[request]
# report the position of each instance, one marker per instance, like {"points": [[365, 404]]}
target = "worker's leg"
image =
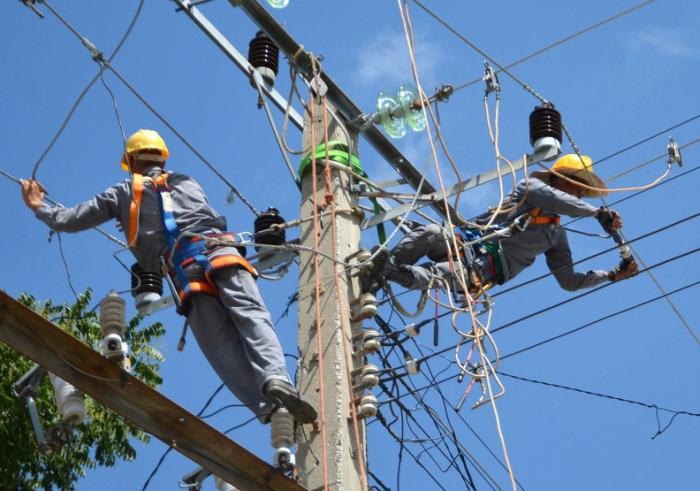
{"points": [[419, 277], [219, 340], [240, 296], [262, 351], [426, 240]]}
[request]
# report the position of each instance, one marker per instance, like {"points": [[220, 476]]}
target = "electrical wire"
{"points": [[167, 451], [555, 43], [56, 203], [65, 265], [437, 421], [439, 424], [600, 395], [87, 88], [557, 305], [105, 64], [600, 319]]}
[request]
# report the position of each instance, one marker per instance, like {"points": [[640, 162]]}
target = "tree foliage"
{"points": [[102, 440]]}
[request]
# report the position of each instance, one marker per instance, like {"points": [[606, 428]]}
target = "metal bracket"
{"points": [[491, 79], [26, 389], [468, 183], [674, 152], [32, 7]]}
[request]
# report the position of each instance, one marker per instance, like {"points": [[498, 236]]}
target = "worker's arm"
{"points": [[560, 264], [552, 200], [88, 214]]}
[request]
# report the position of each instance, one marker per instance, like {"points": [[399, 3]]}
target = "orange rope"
{"points": [[317, 292], [345, 333]]}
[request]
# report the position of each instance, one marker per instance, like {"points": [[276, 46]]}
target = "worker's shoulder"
{"points": [[174, 176], [530, 184]]}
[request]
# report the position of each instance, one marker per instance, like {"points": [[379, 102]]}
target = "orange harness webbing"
{"points": [[134, 208], [536, 218]]}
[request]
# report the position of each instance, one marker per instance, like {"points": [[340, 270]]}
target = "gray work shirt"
{"points": [[190, 207], [521, 248]]}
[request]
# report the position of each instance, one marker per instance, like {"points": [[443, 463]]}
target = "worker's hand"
{"points": [[32, 193], [609, 219], [622, 271]]}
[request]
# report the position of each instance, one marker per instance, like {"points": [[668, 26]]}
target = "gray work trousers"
{"points": [[426, 240], [236, 335]]}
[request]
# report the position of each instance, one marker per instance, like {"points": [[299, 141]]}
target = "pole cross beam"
{"points": [[347, 109], [68, 358]]}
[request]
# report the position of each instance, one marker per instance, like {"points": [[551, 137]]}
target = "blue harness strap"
{"points": [[191, 249], [186, 250]]}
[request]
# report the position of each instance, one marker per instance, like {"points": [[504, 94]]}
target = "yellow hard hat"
{"points": [[144, 140], [570, 165]]}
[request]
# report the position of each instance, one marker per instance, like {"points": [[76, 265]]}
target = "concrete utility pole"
{"points": [[344, 461]]}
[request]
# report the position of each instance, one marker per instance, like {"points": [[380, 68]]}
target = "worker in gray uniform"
{"points": [[168, 220], [538, 204]]}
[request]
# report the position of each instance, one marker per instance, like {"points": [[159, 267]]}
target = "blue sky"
{"points": [[614, 86]]}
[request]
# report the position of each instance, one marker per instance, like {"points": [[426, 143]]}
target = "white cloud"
{"points": [[666, 42], [385, 61]]}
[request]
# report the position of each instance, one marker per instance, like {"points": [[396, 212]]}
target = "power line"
{"points": [[601, 319], [555, 43], [589, 292], [554, 338], [424, 322], [556, 305], [105, 64], [162, 457], [56, 203], [415, 392], [89, 85], [587, 258], [598, 394], [611, 397], [434, 417]]}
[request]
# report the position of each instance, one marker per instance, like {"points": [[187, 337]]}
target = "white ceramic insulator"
{"points": [[281, 429], [69, 400], [369, 311], [371, 343], [363, 256], [368, 406], [412, 331], [222, 485], [112, 312], [370, 376], [368, 299], [412, 366]]}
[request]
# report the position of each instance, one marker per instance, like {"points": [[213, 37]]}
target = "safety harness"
{"points": [[183, 249], [483, 259], [537, 218]]}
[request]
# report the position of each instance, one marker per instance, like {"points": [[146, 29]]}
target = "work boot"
{"points": [[289, 397]]}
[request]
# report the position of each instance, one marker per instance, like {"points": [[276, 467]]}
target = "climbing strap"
{"points": [[340, 153], [536, 218]]}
